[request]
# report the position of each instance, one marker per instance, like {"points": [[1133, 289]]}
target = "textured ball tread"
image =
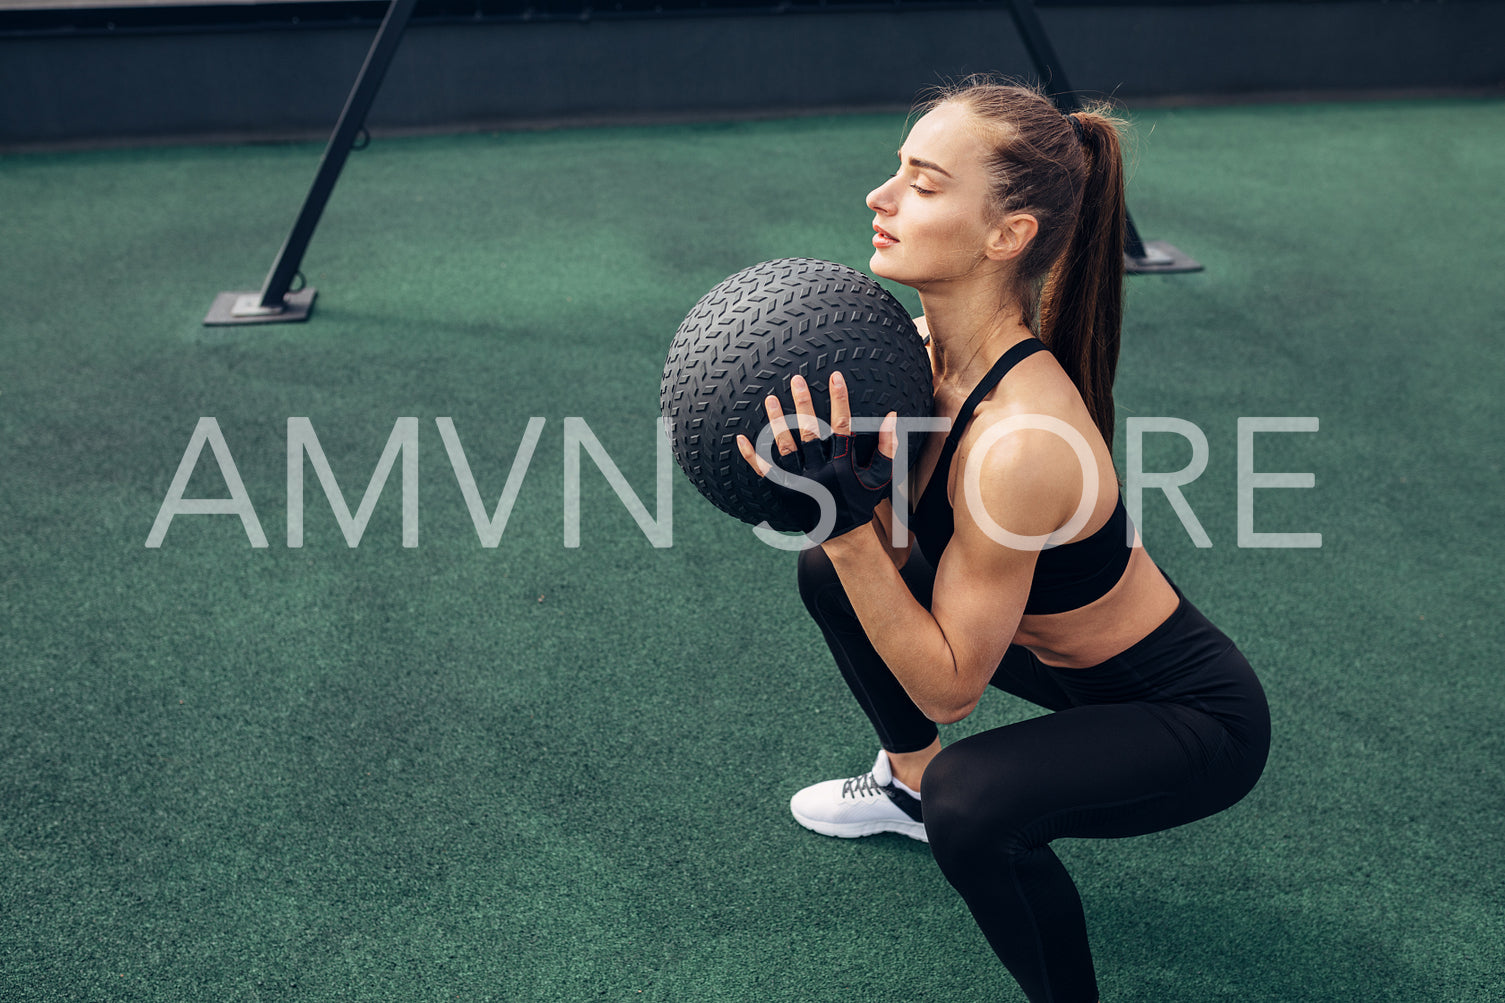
{"points": [[750, 335]]}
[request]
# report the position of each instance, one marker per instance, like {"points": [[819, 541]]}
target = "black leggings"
{"points": [[1174, 729]]}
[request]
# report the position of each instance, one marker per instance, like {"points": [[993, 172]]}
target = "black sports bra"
{"points": [[1067, 577]]}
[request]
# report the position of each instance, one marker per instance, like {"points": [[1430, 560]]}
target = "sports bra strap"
{"points": [[1006, 362]]}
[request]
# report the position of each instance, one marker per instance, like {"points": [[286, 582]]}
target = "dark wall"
{"points": [[92, 83]]}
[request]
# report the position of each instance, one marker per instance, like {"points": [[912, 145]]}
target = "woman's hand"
{"points": [[818, 474]]}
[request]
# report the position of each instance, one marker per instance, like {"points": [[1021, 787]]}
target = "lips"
{"points": [[882, 238]]}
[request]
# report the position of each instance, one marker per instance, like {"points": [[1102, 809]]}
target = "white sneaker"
{"points": [[860, 806]]}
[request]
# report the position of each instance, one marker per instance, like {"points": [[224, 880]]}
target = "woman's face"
{"points": [[932, 221]]}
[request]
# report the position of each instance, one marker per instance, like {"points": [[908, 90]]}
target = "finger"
{"points": [[841, 406], [804, 409], [751, 456], [782, 437], [888, 435]]}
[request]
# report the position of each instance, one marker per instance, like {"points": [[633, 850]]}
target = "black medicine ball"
{"points": [[750, 335]]}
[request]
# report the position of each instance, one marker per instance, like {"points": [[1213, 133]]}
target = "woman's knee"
{"points": [[821, 590], [964, 821], [815, 572]]}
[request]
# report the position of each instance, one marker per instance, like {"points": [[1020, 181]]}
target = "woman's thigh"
{"points": [[1098, 770]]}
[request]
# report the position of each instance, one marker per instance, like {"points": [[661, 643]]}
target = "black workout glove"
{"points": [[831, 464]]}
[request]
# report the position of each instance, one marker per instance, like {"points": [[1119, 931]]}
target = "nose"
{"points": [[880, 199]]}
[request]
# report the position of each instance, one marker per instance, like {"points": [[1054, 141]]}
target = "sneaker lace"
{"points": [[860, 787]]}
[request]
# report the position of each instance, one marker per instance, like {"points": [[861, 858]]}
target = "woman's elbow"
{"points": [[950, 713]]}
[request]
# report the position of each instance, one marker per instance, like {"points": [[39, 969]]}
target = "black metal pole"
{"points": [[274, 303], [1137, 257]]}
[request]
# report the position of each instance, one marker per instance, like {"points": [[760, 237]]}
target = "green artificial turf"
{"points": [[536, 772]]}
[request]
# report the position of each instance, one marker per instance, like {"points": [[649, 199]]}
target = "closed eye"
{"points": [[920, 189]]}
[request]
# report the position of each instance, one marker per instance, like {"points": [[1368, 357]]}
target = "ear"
{"points": [[1011, 236]]}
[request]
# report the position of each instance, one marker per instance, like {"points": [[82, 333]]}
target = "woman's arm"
{"points": [[945, 656]]}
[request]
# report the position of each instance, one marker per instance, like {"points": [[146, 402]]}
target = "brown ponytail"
{"points": [[1069, 280], [1082, 305]]}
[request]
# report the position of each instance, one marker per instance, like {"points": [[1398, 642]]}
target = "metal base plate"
{"points": [[1160, 257], [246, 308]]}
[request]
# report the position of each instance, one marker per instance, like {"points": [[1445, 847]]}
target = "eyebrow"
{"points": [[925, 165]]}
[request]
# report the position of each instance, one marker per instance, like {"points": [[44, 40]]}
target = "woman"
{"points": [[1008, 219]]}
